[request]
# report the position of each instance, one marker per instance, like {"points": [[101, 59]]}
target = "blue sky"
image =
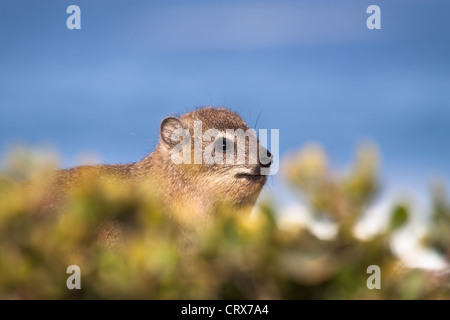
{"points": [[311, 68]]}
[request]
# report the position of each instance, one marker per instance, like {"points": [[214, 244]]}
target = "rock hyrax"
{"points": [[192, 189]]}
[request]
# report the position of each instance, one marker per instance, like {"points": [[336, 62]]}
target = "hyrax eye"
{"points": [[224, 145]]}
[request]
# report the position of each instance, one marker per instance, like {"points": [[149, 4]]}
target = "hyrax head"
{"points": [[215, 149]]}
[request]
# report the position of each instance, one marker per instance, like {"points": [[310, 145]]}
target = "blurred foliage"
{"points": [[234, 257]]}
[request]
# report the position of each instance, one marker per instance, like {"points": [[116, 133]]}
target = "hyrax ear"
{"points": [[168, 126]]}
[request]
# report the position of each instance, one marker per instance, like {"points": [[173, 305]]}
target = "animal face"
{"points": [[216, 148]]}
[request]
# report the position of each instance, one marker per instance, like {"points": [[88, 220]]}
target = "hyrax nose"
{"points": [[267, 159]]}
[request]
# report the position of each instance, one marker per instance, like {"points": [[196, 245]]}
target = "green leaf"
{"points": [[399, 217]]}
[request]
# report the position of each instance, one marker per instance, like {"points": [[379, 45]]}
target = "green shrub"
{"points": [[234, 257]]}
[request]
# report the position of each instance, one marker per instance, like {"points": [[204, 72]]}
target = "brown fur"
{"points": [[191, 191]]}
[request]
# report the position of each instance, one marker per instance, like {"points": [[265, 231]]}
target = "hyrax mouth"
{"points": [[249, 176]]}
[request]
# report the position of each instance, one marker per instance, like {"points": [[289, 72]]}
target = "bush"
{"points": [[234, 257]]}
